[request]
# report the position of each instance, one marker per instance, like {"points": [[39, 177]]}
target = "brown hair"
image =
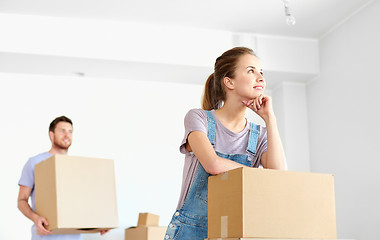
{"points": [[54, 123], [225, 66]]}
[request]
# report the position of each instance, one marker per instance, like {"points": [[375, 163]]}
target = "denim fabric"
{"points": [[190, 222], [254, 132]]}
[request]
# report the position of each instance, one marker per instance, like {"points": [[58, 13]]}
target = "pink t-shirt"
{"points": [[226, 142]]}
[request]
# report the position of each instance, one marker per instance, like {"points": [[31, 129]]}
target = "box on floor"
{"points": [[147, 228], [145, 233], [148, 219]]}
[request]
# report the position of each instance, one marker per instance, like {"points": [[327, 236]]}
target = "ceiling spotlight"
{"points": [[290, 19]]}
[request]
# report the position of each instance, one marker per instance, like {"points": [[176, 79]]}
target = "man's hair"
{"points": [[54, 123]]}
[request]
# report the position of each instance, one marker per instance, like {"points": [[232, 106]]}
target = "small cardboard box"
{"points": [[145, 233], [262, 203], [76, 194], [148, 219]]}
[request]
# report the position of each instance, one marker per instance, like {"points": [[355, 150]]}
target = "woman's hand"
{"points": [[274, 157], [262, 105]]}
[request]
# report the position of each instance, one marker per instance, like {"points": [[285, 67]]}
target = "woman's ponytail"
{"points": [[209, 101]]}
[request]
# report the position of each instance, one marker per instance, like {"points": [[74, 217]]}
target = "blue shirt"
{"points": [[27, 179]]}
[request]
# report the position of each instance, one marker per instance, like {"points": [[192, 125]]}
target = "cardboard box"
{"points": [[148, 219], [262, 203], [145, 233], [76, 194], [259, 239]]}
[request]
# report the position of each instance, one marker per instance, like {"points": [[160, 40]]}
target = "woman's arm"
{"points": [[199, 144], [274, 157]]}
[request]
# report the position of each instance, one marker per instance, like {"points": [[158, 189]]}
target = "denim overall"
{"points": [[190, 221]]}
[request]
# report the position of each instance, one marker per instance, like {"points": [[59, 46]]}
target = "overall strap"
{"points": [[253, 138], [211, 127]]}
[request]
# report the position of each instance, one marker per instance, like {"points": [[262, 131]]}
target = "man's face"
{"points": [[62, 135]]}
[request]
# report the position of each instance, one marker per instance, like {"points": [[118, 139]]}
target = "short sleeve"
{"points": [[27, 175], [261, 146], [195, 120]]}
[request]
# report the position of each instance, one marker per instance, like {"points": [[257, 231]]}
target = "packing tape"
{"points": [[224, 176], [224, 226]]}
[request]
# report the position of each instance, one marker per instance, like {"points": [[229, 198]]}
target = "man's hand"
{"points": [[40, 223], [104, 231]]}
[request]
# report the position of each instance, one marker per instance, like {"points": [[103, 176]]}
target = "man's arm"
{"points": [[24, 207]]}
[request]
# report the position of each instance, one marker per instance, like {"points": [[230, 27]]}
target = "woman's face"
{"points": [[248, 81]]}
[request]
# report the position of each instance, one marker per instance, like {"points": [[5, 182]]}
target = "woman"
{"points": [[219, 138]]}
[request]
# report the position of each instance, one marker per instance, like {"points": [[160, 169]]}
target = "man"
{"points": [[60, 134]]}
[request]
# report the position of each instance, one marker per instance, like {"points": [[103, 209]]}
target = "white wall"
{"points": [[343, 104], [61, 46], [111, 40], [136, 122], [139, 124], [289, 103]]}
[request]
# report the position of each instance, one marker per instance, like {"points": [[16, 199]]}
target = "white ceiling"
{"points": [[314, 17]]}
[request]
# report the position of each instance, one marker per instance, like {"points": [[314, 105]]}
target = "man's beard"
{"points": [[62, 146]]}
